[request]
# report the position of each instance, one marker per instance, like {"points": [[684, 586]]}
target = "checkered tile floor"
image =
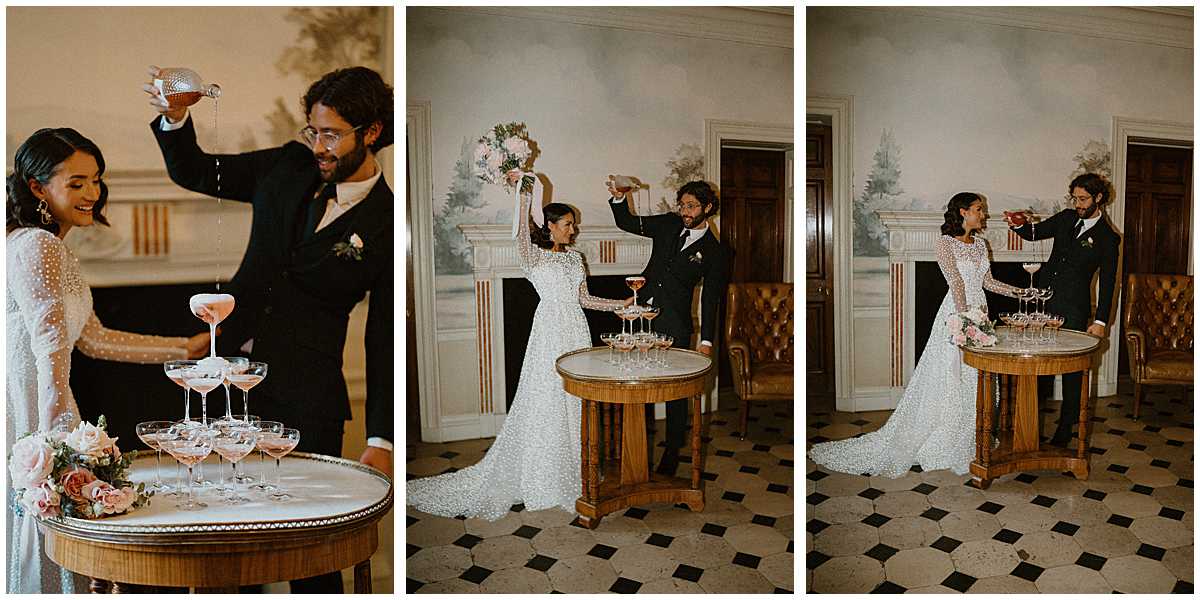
{"points": [[1128, 528], [740, 543]]}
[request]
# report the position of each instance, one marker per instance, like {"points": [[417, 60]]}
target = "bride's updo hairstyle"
{"points": [[38, 159], [954, 222], [551, 213]]}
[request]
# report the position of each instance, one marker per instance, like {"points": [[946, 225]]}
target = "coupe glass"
{"points": [[249, 422], [624, 344], [635, 283], [1031, 268], [151, 432], [203, 380], [234, 364], [233, 443], [174, 370], [247, 377], [664, 344], [278, 447], [189, 445], [648, 314], [644, 341], [266, 430], [608, 339]]}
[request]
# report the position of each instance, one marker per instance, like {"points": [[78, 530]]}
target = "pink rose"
{"points": [[517, 146], [74, 481], [972, 332], [108, 500], [90, 440], [960, 339], [31, 462], [41, 500]]}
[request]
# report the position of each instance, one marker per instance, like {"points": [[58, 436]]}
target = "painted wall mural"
{"points": [[597, 101]]}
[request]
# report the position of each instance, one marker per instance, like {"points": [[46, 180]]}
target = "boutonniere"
{"points": [[350, 249], [1086, 243], [697, 257]]}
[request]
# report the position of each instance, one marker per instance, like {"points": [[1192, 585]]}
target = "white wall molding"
{"points": [[840, 110], [420, 190], [1158, 27], [730, 24]]}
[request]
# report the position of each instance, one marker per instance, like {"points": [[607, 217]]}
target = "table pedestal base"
{"points": [[1044, 458], [660, 488]]}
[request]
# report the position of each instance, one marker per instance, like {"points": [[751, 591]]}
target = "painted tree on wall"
{"points": [[882, 191], [451, 254], [1095, 157]]}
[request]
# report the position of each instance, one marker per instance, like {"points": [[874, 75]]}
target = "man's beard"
{"points": [[1090, 212], [348, 164]]}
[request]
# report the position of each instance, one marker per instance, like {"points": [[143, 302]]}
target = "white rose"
{"points": [[31, 462], [494, 160], [518, 146], [90, 440], [356, 241]]}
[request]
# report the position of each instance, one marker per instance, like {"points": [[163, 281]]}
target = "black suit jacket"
{"points": [[294, 296], [1073, 262], [671, 276]]}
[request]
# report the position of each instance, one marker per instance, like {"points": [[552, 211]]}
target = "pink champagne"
{"points": [[203, 385], [277, 447], [245, 381], [211, 308], [635, 283], [176, 375], [188, 454], [233, 451]]}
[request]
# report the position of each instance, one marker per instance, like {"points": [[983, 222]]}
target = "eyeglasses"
{"points": [[1074, 198], [329, 139], [688, 205]]}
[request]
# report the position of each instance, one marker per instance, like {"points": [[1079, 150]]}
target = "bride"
{"points": [[934, 423], [56, 185], [535, 458]]}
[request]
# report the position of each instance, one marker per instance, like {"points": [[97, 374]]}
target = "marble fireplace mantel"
{"points": [[160, 234], [912, 236]]}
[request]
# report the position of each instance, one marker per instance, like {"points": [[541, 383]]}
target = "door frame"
{"points": [[840, 109], [1124, 128], [769, 135], [419, 127]]}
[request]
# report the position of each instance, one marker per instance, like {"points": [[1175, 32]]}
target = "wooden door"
{"points": [[818, 255], [412, 414], [753, 219], [753, 212], [1158, 216]]}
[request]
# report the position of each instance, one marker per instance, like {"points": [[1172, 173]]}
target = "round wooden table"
{"points": [[627, 480], [1019, 447], [329, 525]]}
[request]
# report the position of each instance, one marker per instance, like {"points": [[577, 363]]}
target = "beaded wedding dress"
{"points": [[535, 458], [934, 423], [49, 310]]}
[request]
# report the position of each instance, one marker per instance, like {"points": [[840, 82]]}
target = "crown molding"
{"points": [[1170, 26], [761, 26]]}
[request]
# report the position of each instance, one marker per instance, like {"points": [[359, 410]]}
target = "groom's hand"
{"points": [[1096, 329], [159, 102], [612, 191], [377, 457], [705, 349]]}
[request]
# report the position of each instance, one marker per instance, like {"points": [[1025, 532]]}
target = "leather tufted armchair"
{"points": [[1158, 331], [758, 338]]}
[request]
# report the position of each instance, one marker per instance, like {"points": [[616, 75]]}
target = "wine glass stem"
{"points": [[246, 404], [189, 480], [158, 467], [228, 403], [187, 404], [278, 478], [204, 408], [212, 338]]}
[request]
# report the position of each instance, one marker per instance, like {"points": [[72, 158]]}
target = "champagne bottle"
{"points": [[183, 87]]}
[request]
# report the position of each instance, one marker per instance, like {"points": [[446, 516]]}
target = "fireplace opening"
{"points": [[520, 301], [932, 288]]}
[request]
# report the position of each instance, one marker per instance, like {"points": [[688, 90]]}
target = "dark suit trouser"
{"points": [[320, 437], [677, 410], [1074, 318]]}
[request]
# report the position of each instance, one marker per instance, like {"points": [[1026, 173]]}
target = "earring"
{"points": [[42, 208]]}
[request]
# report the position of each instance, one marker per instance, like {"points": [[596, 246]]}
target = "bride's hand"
{"points": [[628, 301]]}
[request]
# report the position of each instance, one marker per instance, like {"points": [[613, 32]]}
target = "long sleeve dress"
{"points": [[934, 423], [535, 458], [49, 310]]}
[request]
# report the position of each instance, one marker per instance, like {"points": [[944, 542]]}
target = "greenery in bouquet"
{"points": [[504, 148], [80, 474], [971, 329]]}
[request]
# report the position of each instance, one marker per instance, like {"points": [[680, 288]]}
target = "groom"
{"points": [[321, 239], [1083, 243], [685, 252]]}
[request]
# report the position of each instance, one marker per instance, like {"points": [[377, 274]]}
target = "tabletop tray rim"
{"points": [[626, 382]]}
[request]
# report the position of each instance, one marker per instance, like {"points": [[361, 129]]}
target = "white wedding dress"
{"points": [[49, 310], [535, 458], [934, 423]]}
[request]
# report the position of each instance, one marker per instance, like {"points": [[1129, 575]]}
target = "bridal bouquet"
{"points": [[971, 329], [78, 474], [504, 148]]}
